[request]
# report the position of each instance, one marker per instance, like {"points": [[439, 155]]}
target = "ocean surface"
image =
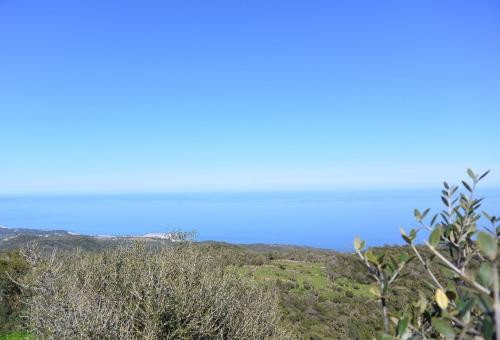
{"points": [[318, 219]]}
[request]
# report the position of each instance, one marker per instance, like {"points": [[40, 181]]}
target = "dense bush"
{"points": [[12, 267], [465, 302], [181, 292]]}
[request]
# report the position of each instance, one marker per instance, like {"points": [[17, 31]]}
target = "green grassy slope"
{"points": [[20, 335], [313, 304]]}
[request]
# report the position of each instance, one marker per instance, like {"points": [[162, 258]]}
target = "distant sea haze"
{"points": [[318, 219]]}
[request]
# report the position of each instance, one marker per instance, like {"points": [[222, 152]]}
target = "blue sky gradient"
{"points": [[147, 96]]}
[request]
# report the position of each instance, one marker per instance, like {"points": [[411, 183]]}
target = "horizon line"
{"points": [[234, 191]]}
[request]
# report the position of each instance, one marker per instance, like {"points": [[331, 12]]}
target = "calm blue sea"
{"points": [[319, 219]]}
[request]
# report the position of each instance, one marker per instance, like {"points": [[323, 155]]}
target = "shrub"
{"points": [[465, 303], [178, 291], [12, 267]]}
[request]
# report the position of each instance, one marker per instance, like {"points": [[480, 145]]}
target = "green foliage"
{"points": [[12, 267], [316, 306], [465, 301], [487, 245], [384, 269], [19, 335]]}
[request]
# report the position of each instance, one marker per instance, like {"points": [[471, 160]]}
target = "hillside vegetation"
{"points": [[302, 293]]}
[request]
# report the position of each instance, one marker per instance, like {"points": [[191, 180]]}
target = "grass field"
{"points": [[312, 303], [20, 335], [306, 277]]}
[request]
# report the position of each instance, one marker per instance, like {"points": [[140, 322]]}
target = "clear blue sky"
{"points": [[112, 96]]}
